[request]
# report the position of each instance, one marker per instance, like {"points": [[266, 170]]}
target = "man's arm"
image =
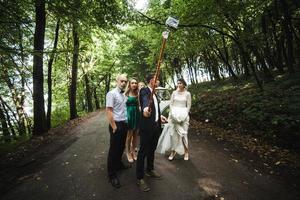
{"points": [[109, 111], [110, 117], [144, 97]]}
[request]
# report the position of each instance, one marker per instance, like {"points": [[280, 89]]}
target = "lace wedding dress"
{"points": [[174, 134]]}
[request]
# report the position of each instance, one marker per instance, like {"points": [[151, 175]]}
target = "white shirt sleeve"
{"points": [[156, 107], [110, 99]]}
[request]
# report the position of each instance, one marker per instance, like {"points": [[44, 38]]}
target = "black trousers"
{"points": [[116, 148], [148, 143]]}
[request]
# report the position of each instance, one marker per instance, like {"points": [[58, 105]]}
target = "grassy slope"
{"points": [[273, 114]]}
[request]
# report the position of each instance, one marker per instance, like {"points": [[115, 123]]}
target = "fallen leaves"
{"points": [[24, 177], [245, 182], [277, 163], [66, 163], [271, 155]]}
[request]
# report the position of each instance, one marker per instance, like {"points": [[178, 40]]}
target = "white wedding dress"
{"points": [[175, 131]]}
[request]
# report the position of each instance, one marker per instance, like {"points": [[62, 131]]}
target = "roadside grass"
{"points": [[272, 114]]}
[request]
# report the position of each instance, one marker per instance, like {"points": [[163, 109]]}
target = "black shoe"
{"points": [[143, 185], [153, 174], [115, 182]]}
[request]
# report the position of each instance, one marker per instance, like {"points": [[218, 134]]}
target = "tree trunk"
{"points": [[266, 48], [227, 58], [171, 74], [38, 77], [213, 65], [278, 38], [267, 73], [107, 83], [18, 100], [176, 66], [287, 24], [245, 65], [9, 120], [216, 73], [4, 127], [279, 61], [97, 103], [247, 59], [73, 86], [189, 66], [20, 105], [226, 62], [49, 110], [278, 51], [88, 93], [94, 91], [195, 74], [252, 67], [255, 75], [210, 76]]}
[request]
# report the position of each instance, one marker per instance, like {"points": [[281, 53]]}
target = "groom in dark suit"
{"points": [[150, 130]]}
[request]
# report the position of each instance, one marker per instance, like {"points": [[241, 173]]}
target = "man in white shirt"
{"points": [[116, 115]]}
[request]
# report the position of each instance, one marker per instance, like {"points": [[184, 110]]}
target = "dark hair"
{"points": [[182, 81], [149, 77]]}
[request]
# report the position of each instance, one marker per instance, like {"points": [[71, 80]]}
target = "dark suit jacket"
{"points": [[147, 123]]}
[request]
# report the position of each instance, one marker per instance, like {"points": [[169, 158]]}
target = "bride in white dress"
{"points": [[174, 135]]}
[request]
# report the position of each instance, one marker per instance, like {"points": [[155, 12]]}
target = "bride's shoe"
{"points": [[186, 156], [172, 155]]}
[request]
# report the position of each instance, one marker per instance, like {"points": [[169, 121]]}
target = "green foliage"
{"points": [[9, 147], [60, 115], [114, 38], [272, 112]]}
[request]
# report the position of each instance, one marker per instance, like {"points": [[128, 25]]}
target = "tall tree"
{"points": [[39, 117], [73, 86], [50, 63], [287, 24], [4, 126], [88, 92]]}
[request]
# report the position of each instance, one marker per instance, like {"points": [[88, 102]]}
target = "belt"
{"points": [[120, 121], [131, 104]]}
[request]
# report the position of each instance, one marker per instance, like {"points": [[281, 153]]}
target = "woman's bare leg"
{"points": [[128, 146], [186, 150], [134, 144]]}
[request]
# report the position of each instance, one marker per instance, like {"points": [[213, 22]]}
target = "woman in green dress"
{"points": [[133, 115]]}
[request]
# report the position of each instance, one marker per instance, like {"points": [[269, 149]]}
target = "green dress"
{"points": [[133, 113]]}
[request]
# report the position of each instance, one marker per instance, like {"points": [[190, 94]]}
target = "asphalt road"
{"points": [[79, 172]]}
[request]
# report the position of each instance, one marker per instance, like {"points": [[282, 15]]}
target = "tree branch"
{"points": [[190, 26]]}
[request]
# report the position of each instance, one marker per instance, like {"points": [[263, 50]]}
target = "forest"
{"points": [[241, 58]]}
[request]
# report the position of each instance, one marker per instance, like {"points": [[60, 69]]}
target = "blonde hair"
{"points": [[128, 88]]}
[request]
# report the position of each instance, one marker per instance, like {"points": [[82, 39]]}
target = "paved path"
{"points": [[79, 172]]}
